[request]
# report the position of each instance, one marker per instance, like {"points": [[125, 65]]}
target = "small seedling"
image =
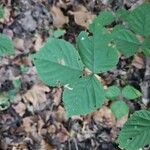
{"points": [[59, 63]]}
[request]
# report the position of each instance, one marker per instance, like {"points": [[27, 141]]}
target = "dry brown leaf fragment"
{"points": [[82, 16], [38, 42], [19, 43], [57, 96], [104, 115], [20, 108], [61, 114], [58, 17], [36, 95], [46, 146], [138, 61]]}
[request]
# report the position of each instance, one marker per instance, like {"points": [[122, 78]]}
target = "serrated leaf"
{"points": [[113, 92], [103, 19], [119, 109], [136, 132], [97, 52], [146, 46], [58, 62], [83, 96], [6, 45], [130, 93], [139, 20], [126, 41]]}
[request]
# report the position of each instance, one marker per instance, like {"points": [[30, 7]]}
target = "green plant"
{"points": [[1, 12], [6, 45], [59, 63]]}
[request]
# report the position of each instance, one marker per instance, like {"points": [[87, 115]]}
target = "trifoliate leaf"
{"points": [[119, 109], [6, 45], [58, 62], [113, 92], [97, 52], [136, 132], [139, 20], [130, 93], [83, 96], [103, 19], [126, 41]]}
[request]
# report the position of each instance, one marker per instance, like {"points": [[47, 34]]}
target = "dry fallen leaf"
{"points": [[58, 17], [61, 114], [57, 96], [38, 43], [105, 115], [20, 108], [82, 16], [36, 95], [138, 61], [19, 43], [46, 146]]}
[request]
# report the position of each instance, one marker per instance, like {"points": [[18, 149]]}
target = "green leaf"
{"points": [[103, 19], [129, 92], [113, 92], [119, 109], [83, 96], [97, 52], [136, 132], [6, 45], [1, 12], [4, 101], [146, 46], [122, 14], [58, 33], [58, 62], [139, 19], [126, 41]]}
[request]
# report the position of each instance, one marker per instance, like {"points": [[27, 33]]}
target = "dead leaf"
{"points": [[38, 43], [19, 43], [82, 16], [58, 17], [46, 146], [105, 115], [61, 114], [36, 95], [138, 61], [57, 96], [63, 135], [20, 108]]}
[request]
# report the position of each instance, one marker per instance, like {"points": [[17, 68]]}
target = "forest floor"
{"points": [[36, 119]]}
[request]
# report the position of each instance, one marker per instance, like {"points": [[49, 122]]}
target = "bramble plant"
{"points": [[59, 63]]}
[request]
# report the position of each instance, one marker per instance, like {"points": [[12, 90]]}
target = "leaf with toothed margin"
{"points": [[136, 132], [97, 52], [83, 96], [58, 63]]}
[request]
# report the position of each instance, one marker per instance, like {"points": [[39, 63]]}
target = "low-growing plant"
{"points": [[59, 63]]}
